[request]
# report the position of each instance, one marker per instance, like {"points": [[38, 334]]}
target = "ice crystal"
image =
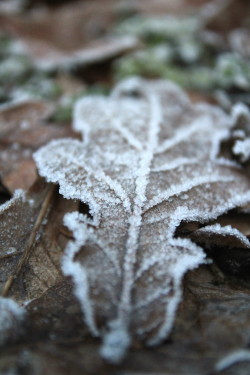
{"points": [[242, 149], [237, 356], [148, 161], [241, 132]]}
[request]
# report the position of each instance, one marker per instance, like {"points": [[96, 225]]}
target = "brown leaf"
{"points": [[211, 323], [225, 15], [149, 160], [22, 130], [80, 39], [29, 238]]}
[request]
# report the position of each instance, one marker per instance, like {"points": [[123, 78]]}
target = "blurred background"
{"points": [[54, 51]]}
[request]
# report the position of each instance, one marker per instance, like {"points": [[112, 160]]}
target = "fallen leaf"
{"points": [[31, 242], [221, 236], [211, 322], [149, 161], [82, 40], [23, 129], [225, 15]]}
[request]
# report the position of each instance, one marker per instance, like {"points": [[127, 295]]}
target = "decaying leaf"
{"points": [[30, 250], [224, 15], [81, 39], [148, 160], [23, 129]]}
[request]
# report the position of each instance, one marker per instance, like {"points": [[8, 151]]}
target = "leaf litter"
{"points": [[149, 159], [23, 129], [212, 318], [83, 39]]}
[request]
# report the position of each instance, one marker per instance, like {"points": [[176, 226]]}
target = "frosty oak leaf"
{"points": [[148, 160]]}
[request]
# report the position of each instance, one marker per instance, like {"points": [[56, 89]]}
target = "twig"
{"points": [[6, 256], [31, 241]]}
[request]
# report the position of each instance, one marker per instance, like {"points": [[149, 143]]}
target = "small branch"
{"points": [[31, 241]]}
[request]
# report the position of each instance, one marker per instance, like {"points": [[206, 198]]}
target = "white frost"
{"points": [[226, 231], [242, 149], [115, 343], [233, 358], [77, 224]]}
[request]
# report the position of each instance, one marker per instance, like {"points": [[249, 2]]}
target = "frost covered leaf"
{"points": [[148, 161], [221, 236]]}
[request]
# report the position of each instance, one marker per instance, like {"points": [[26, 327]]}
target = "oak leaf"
{"points": [[149, 160]]}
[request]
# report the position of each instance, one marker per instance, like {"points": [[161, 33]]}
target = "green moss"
{"points": [[5, 44], [63, 114], [155, 63], [40, 86], [15, 69], [154, 30], [97, 89], [230, 71], [151, 62], [233, 71]]}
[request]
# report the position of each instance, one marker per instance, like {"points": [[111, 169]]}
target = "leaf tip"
{"points": [[115, 343]]}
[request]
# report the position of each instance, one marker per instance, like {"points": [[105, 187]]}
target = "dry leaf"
{"points": [[148, 161], [225, 15], [80, 39], [22, 130], [30, 250], [211, 323]]}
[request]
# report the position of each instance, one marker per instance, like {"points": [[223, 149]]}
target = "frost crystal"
{"points": [[241, 119], [148, 161], [242, 149], [233, 358]]}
